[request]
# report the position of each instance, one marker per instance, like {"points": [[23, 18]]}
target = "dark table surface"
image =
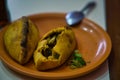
{"points": [[113, 29]]}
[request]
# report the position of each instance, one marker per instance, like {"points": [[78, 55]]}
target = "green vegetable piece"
{"points": [[52, 40], [77, 60], [56, 55]]}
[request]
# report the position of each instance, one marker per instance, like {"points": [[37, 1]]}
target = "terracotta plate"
{"points": [[92, 41]]}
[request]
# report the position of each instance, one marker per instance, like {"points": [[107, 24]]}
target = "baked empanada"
{"points": [[54, 48], [21, 39]]}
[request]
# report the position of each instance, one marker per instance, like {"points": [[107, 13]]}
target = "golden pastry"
{"points": [[54, 48], [21, 39]]}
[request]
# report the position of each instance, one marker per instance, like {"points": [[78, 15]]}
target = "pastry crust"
{"points": [[20, 39], [54, 48]]}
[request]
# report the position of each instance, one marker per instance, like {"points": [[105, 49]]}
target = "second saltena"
{"points": [[54, 48]]}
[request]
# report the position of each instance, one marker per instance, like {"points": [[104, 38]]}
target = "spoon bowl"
{"points": [[75, 17]]}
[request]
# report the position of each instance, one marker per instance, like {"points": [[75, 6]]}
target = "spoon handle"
{"points": [[89, 6]]}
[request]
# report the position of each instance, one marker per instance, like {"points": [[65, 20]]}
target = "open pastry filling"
{"points": [[50, 42]]}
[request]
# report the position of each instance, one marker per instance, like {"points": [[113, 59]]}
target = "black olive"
{"points": [[47, 52]]}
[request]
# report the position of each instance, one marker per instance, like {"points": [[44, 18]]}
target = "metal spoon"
{"points": [[75, 17]]}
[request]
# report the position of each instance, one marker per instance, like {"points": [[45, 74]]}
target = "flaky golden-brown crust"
{"points": [[20, 39], [54, 48]]}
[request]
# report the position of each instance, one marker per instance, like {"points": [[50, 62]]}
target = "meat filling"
{"points": [[51, 42]]}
